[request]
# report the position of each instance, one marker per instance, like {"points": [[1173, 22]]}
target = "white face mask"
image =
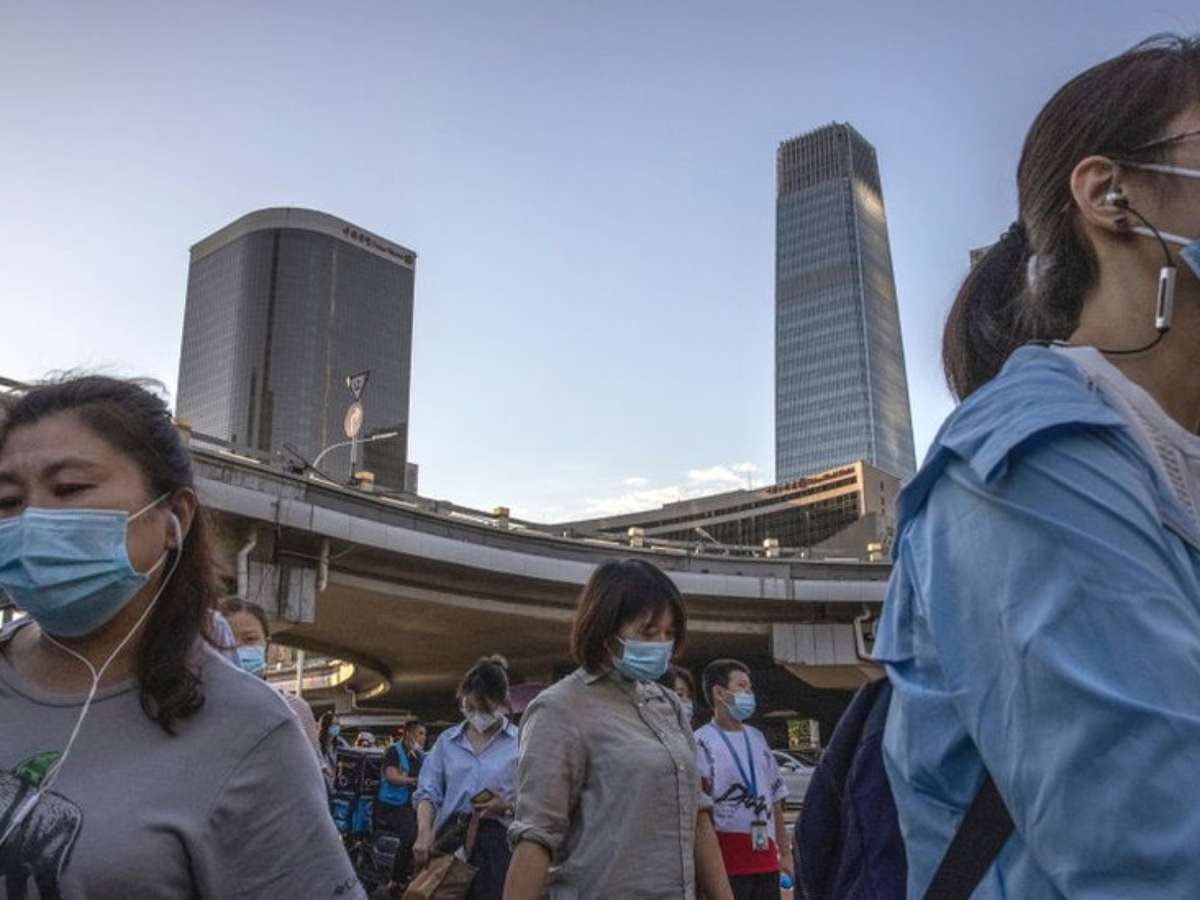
{"points": [[480, 721], [1191, 248]]}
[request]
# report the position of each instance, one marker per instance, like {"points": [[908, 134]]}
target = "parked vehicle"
{"points": [[796, 775]]}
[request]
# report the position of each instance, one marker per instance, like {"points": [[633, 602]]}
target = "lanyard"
{"points": [[751, 780]]}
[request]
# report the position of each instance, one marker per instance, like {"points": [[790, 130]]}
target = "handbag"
{"points": [[453, 833], [446, 877]]}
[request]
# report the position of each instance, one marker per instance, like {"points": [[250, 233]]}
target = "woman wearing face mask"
{"points": [[103, 544], [471, 769], [609, 802], [1042, 626], [329, 741], [680, 680], [251, 633]]}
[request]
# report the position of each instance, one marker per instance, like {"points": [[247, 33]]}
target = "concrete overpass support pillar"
{"points": [[826, 654], [286, 589]]}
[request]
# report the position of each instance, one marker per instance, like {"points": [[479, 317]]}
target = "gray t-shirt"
{"points": [[231, 806]]}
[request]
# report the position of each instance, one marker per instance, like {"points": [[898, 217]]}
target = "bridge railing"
{"points": [[237, 455]]}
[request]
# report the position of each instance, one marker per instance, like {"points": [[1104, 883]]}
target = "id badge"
{"points": [[758, 836]]}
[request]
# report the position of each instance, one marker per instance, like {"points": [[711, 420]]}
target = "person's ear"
{"points": [[1099, 195], [183, 504]]}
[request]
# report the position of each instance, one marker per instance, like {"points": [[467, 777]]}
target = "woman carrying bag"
{"points": [[467, 780], [447, 876]]}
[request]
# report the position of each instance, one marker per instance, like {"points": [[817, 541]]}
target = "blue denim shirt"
{"points": [[1043, 618], [453, 772]]}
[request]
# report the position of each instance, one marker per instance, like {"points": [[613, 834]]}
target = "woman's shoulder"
{"points": [[1040, 396], [564, 695], [235, 699], [446, 737], [1040, 389]]}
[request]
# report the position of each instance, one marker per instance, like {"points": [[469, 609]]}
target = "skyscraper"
{"points": [[841, 393], [282, 306]]}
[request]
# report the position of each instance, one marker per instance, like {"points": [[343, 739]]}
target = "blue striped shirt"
{"points": [[453, 772]]}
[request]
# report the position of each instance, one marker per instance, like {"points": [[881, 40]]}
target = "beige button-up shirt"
{"points": [[607, 783]]}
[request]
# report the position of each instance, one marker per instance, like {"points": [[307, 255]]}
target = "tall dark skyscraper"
{"points": [[841, 393], [282, 306]]}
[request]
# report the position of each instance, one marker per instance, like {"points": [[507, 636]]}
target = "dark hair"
{"points": [[488, 679], [136, 422], [1112, 109], [678, 673], [231, 605], [619, 592], [323, 724], [716, 674]]}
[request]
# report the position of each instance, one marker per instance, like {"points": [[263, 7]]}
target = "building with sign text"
{"points": [[283, 305], [805, 513]]}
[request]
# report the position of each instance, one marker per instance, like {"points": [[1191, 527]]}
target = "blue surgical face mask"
{"points": [[1190, 249], [253, 658], [742, 706], [644, 660], [69, 569], [689, 710], [335, 730]]}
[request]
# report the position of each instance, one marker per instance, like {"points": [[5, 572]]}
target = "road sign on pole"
{"points": [[353, 422], [357, 383]]}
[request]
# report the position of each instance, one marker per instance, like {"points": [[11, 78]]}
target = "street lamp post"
{"points": [[355, 441]]}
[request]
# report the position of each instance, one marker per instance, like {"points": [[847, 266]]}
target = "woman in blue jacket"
{"points": [[1043, 621]]}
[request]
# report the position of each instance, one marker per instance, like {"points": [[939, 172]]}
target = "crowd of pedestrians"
{"points": [[1041, 634]]}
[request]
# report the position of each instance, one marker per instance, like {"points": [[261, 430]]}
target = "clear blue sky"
{"points": [[590, 187]]}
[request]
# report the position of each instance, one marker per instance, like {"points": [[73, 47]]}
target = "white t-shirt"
{"points": [[735, 805]]}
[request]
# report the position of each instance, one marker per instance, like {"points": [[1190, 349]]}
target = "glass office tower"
{"points": [[841, 393], [282, 306]]}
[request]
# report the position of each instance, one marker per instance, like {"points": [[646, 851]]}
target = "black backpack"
{"points": [[847, 842]]}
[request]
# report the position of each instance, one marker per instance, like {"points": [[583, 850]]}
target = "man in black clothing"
{"points": [[394, 811]]}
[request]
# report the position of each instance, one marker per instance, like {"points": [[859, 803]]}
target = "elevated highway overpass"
{"points": [[412, 591]]}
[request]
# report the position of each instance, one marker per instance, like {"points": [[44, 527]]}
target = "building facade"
{"points": [[841, 391], [803, 513], [282, 306]]}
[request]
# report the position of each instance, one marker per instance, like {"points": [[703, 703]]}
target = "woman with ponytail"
{"points": [[1042, 627], [471, 771]]}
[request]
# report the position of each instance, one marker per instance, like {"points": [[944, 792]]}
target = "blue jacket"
{"points": [[1043, 618]]}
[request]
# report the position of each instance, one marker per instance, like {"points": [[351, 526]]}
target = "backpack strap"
{"points": [[976, 844]]}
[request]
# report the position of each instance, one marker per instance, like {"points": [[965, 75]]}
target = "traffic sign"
{"points": [[356, 383], [353, 422]]}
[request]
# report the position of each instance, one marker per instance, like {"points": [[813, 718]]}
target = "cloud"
{"points": [[633, 501], [700, 482], [734, 474]]}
